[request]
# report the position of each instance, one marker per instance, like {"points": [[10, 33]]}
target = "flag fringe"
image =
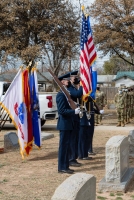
{"points": [[84, 97], [2, 105]]}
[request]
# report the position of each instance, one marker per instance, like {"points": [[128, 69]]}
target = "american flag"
{"points": [[87, 57]]}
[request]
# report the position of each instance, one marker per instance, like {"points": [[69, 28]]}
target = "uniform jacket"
{"points": [[75, 95], [66, 114], [99, 99], [119, 101]]}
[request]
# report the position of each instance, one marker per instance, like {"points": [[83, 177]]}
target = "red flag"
{"points": [[28, 107]]}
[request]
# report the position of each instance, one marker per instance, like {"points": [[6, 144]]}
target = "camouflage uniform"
{"points": [[131, 103], [120, 104], [125, 103], [103, 100], [98, 102], [128, 105]]}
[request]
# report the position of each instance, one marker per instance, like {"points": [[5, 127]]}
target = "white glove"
{"points": [[77, 110], [101, 111]]}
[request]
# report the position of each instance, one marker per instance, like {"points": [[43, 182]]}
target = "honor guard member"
{"points": [[93, 110], [75, 95], [65, 125], [83, 135], [87, 129]]}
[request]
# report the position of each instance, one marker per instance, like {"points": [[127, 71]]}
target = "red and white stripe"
{"points": [[87, 57]]}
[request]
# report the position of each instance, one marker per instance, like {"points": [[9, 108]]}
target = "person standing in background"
{"points": [[120, 105], [103, 101], [99, 103], [125, 90]]}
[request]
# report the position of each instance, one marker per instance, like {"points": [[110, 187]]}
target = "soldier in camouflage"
{"points": [[120, 105], [125, 90], [128, 105], [131, 102], [99, 103], [103, 104]]}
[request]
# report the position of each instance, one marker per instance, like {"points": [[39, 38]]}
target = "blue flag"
{"points": [[35, 107], [94, 81]]}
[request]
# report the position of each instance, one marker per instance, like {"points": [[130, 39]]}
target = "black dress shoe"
{"points": [[86, 158], [78, 162], [71, 169], [91, 153], [75, 164], [68, 171]]}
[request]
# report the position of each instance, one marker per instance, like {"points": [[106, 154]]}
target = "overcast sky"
{"points": [[84, 2]]}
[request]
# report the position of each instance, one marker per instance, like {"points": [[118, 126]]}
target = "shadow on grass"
{"points": [[89, 168], [131, 187], [48, 156], [99, 150]]}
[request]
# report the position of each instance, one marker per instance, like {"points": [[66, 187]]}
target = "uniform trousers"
{"points": [[73, 155], [120, 114], [83, 142], [90, 137], [64, 146]]}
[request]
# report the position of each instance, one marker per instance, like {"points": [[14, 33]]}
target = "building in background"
{"points": [[44, 79], [124, 78], [105, 80]]}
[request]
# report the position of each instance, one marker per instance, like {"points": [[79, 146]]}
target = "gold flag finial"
{"points": [[82, 8]]}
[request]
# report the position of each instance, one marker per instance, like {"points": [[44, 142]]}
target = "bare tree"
{"points": [[39, 28], [114, 27]]}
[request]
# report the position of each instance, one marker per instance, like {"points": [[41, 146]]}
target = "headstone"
{"points": [[11, 141], [80, 186], [46, 136], [131, 143], [116, 158], [118, 174]]}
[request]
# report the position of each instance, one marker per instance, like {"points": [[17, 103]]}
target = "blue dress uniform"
{"points": [[83, 137], [86, 131], [75, 94], [93, 110], [65, 125]]}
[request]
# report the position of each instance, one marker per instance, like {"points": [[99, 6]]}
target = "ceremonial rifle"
{"points": [[63, 89]]}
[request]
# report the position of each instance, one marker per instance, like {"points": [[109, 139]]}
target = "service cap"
{"points": [[64, 77], [74, 73]]}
